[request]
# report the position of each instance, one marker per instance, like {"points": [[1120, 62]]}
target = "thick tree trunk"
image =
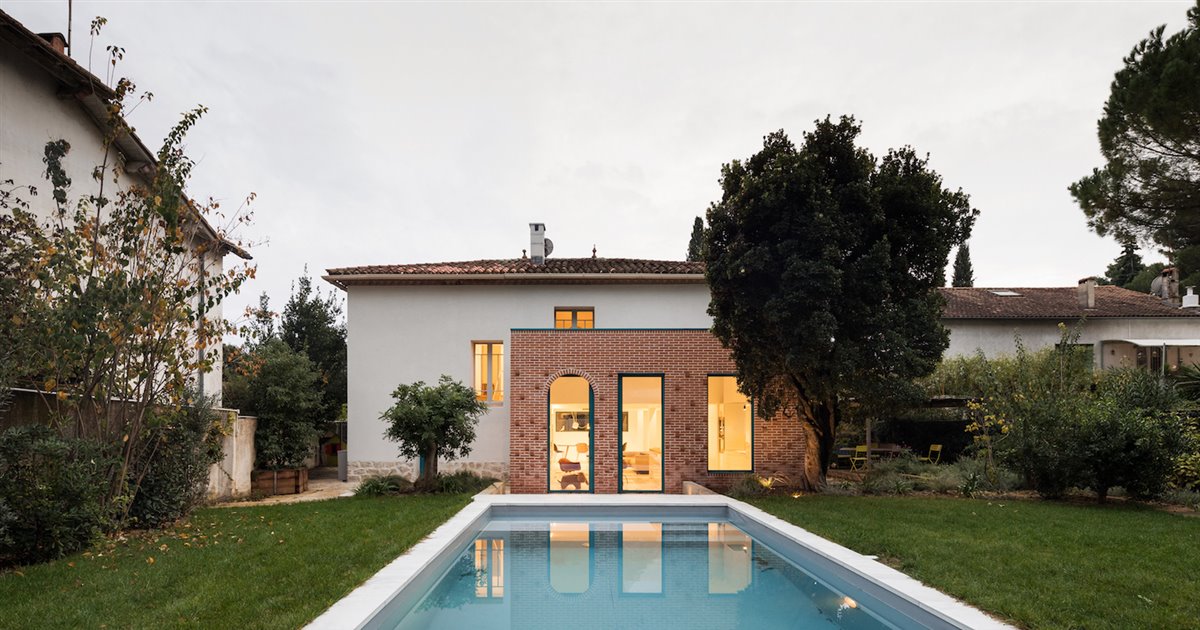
{"points": [[820, 429], [429, 472]]}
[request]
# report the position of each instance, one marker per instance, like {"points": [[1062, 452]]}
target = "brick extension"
{"points": [[685, 357]]}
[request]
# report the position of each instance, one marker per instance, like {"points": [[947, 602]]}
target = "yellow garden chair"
{"points": [[859, 460], [934, 456]]}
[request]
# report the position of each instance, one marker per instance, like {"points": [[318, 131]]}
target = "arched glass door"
{"points": [[570, 429]]}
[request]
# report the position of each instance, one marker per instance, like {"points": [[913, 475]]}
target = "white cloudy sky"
{"points": [[385, 132]]}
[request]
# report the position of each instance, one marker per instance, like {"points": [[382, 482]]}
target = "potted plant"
{"points": [[285, 394]]}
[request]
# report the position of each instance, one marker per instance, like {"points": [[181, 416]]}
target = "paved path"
{"points": [[322, 484]]}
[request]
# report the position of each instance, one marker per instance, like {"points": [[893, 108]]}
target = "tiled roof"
{"points": [[526, 266], [1054, 303]]}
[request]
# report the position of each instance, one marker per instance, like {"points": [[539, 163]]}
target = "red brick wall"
{"points": [[685, 357]]}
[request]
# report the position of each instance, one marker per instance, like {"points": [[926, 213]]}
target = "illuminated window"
{"points": [[574, 317], [489, 370], [730, 426]]}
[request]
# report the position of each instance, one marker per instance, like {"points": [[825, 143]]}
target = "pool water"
{"points": [[692, 573]]}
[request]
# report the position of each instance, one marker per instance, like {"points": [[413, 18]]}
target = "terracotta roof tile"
{"points": [[526, 266], [1054, 303]]}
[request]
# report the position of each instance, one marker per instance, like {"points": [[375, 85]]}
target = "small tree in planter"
{"points": [[285, 394], [433, 422]]}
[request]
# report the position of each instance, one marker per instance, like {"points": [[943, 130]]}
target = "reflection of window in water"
{"points": [[641, 558], [728, 559], [570, 557], [489, 567]]}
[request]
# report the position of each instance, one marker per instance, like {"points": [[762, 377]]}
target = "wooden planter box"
{"points": [[292, 481]]}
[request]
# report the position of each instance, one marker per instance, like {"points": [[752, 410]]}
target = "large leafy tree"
{"points": [[1149, 186], [432, 422], [823, 263], [312, 324], [964, 273]]}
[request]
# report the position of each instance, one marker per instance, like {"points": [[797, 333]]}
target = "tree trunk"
{"points": [[1102, 494], [429, 472], [819, 432]]}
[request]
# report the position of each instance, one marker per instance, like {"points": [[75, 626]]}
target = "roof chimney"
{"points": [[56, 41], [1087, 292], [1191, 300], [537, 243]]}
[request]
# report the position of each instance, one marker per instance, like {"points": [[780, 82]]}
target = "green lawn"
{"points": [[273, 566], [1037, 564]]}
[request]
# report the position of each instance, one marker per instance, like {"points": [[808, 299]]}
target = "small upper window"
{"points": [[574, 317]]}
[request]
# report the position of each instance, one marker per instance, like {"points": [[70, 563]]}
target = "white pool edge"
{"points": [[364, 602]]}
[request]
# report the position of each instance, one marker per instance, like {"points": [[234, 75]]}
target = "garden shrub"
{"points": [[386, 485], [1130, 436], [285, 394], [462, 482], [186, 442], [756, 485], [54, 487]]}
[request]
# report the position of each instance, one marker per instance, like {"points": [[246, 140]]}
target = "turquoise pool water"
{"points": [[692, 573]]}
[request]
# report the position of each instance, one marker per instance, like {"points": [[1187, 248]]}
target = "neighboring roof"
{"points": [[524, 271], [93, 95], [1060, 303]]}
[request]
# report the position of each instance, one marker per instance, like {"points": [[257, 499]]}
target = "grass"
{"points": [[275, 566], [1037, 564]]}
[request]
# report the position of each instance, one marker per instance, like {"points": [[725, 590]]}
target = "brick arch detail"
{"points": [[567, 372]]}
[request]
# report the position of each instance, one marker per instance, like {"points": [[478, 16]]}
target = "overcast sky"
{"points": [[377, 132]]}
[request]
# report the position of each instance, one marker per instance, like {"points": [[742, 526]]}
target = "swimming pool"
{"points": [[624, 562]]}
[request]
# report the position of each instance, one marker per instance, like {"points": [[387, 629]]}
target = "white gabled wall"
{"points": [[31, 114], [417, 333]]}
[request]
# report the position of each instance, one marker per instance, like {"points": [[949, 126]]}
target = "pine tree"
{"points": [[1127, 266], [964, 274], [696, 245]]}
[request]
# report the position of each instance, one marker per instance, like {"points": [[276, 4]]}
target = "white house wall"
{"points": [[417, 333], [996, 337], [32, 114]]}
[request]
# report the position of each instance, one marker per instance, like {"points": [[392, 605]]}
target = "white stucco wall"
{"points": [[32, 114], [405, 334], [995, 337]]}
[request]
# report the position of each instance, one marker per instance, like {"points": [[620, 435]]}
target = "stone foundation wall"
{"points": [[359, 470]]}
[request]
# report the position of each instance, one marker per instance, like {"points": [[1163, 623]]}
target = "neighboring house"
{"points": [[601, 375], [44, 96], [1123, 328]]}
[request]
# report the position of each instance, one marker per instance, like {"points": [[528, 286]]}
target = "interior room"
{"points": [[570, 435], [642, 433]]}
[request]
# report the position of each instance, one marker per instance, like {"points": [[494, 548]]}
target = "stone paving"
{"points": [[322, 484]]}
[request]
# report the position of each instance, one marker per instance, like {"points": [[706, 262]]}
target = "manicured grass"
{"points": [[273, 566], [1037, 564]]}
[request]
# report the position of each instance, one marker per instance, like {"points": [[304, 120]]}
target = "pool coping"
{"points": [[364, 602]]}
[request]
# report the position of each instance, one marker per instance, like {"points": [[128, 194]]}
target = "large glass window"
{"points": [[571, 317], [641, 433], [489, 370], [730, 426], [570, 434]]}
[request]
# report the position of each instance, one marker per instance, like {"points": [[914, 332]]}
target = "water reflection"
{"points": [[489, 568], [641, 558], [728, 559], [570, 557]]}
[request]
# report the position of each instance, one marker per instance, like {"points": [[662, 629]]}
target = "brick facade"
{"points": [[685, 357]]}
